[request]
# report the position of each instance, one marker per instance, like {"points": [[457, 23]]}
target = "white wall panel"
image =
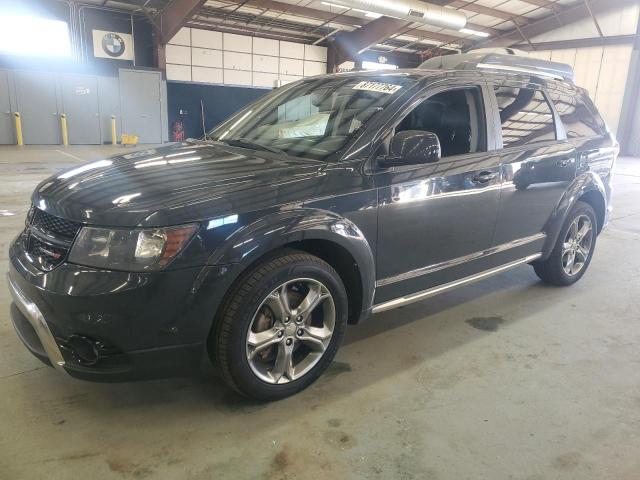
{"points": [[602, 71], [621, 21], [261, 79], [204, 57], [183, 37], [214, 57], [180, 73], [315, 53], [206, 39], [266, 46], [292, 50], [587, 68], [289, 66], [237, 77], [237, 43], [178, 54], [612, 82], [289, 78], [264, 63], [314, 68], [542, 55], [207, 75], [567, 56], [237, 61]]}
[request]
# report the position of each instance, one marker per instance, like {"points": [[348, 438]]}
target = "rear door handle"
{"points": [[484, 177]]}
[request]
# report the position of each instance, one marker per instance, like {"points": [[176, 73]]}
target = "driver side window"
{"points": [[455, 116]]}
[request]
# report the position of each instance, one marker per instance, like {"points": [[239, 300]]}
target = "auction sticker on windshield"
{"points": [[378, 87]]}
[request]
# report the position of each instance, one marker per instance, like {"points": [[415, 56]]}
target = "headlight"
{"points": [[136, 250]]}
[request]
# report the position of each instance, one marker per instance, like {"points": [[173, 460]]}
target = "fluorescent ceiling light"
{"points": [[34, 36], [468, 31]]}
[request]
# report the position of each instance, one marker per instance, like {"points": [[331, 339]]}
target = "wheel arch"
{"points": [[333, 238], [588, 188]]}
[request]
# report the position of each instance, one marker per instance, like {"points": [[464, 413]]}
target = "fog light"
{"points": [[84, 349]]}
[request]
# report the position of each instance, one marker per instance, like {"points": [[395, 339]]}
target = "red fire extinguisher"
{"points": [[178, 131]]}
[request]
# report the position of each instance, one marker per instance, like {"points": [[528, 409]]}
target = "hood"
{"points": [[175, 184]]}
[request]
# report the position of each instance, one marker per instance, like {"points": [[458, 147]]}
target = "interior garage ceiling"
{"points": [[490, 22]]}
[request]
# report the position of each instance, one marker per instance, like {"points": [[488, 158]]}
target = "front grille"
{"points": [[56, 226], [47, 238]]}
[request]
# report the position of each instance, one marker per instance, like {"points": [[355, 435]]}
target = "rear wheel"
{"points": [[281, 326], [574, 248]]}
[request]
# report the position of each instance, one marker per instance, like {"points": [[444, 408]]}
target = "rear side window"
{"points": [[525, 115], [576, 117]]}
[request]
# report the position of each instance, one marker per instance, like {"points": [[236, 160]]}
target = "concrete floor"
{"points": [[505, 379]]}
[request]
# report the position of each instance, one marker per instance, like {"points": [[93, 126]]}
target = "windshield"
{"points": [[313, 119]]}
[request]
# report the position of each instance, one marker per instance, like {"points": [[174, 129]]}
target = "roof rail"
{"points": [[487, 59]]}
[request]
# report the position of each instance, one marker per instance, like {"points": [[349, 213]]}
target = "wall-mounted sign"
{"points": [[114, 45]]}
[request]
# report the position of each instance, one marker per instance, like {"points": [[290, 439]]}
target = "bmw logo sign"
{"points": [[113, 45]]}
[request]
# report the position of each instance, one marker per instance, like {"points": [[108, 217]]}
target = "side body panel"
{"points": [[432, 216], [534, 179]]}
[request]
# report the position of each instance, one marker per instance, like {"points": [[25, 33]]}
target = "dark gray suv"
{"points": [[325, 201]]}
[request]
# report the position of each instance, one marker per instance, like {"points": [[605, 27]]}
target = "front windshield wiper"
{"points": [[246, 143]]}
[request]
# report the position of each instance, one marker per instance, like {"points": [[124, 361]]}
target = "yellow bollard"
{"points": [[114, 136], [63, 127], [18, 120]]}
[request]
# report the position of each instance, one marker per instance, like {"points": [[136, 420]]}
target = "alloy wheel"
{"points": [[577, 245], [290, 331]]}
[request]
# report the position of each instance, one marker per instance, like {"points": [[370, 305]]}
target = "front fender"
{"points": [[581, 185], [250, 242]]}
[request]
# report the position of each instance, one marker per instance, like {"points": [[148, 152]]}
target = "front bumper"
{"points": [[43, 344], [144, 325]]}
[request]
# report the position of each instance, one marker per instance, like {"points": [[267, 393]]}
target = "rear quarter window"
{"points": [[577, 118], [525, 115]]}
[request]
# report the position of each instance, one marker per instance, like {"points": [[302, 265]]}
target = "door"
{"points": [[436, 220], [6, 116], [141, 106], [36, 98], [80, 104], [537, 165]]}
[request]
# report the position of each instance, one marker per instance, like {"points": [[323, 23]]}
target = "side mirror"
{"points": [[413, 147]]}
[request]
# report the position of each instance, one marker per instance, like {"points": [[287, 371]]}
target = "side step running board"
{"points": [[416, 297]]}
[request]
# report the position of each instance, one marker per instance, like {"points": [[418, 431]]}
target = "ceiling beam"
{"points": [[174, 16], [579, 43], [549, 23], [349, 45]]}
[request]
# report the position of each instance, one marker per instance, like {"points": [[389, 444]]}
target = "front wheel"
{"points": [[574, 248], [281, 327]]}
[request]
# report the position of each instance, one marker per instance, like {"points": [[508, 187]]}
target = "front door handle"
{"points": [[484, 177], [564, 162]]}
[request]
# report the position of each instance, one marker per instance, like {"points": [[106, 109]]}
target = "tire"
{"points": [[254, 327], [557, 269]]}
